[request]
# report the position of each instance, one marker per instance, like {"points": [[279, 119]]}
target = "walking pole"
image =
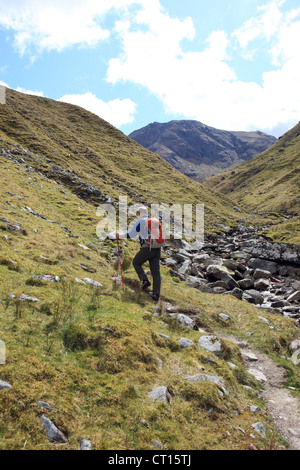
{"points": [[120, 261]]}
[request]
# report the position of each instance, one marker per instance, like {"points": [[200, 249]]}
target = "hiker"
{"points": [[149, 251]]}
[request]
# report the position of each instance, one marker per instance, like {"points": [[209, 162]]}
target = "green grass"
{"points": [[268, 184], [80, 142], [95, 353]]}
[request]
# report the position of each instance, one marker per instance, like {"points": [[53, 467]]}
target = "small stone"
{"points": [[160, 394], [85, 444], [44, 404], [265, 320], [92, 282], [157, 445], [254, 409], [258, 375], [4, 385], [260, 428], [185, 342], [224, 316], [163, 336], [53, 433], [248, 356]]}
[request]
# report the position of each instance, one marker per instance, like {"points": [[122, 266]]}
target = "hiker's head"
{"points": [[142, 211]]}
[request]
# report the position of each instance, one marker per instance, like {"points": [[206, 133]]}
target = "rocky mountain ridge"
{"points": [[198, 150]]}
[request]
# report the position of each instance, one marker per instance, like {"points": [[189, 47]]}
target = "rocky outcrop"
{"points": [[245, 265]]}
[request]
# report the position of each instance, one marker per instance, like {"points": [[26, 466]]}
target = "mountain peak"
{"points": [[199, 150]]}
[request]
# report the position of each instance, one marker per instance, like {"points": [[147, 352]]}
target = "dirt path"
{"points": [[281, 405]]}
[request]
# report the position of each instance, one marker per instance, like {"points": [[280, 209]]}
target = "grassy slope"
{"points": [[269, 183], [98, 379], [101, 155], [94, 353]]}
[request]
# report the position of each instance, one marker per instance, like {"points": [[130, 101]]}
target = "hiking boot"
{"points": [[155, 297], [146, 284]]}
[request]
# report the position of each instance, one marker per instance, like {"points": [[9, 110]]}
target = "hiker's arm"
{"points": [[134, 231]]}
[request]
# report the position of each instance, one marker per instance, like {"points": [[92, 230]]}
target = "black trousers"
{"points": [[153, 256]]}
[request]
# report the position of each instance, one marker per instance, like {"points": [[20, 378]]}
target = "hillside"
{"points": [[94, 159], [86, 362], [198, 150], [269, 183]]}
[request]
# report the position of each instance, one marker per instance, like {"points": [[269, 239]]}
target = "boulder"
{"points": [[253, 296], [261, 284], [211, 344], [246, 283], [185, 343], [221, 273], [261, 274], [219, 381], [263, 264]]}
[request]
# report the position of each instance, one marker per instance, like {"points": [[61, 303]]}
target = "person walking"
{"points": [[146, 253]]}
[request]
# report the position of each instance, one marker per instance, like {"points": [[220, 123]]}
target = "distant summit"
{"points": [[198, 150]]}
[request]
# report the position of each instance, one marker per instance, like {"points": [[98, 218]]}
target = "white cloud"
{"points": [[56, 24], [203, 84], [29, 92], [117, 112]]}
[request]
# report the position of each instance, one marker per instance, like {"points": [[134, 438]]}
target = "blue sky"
{"points": [[230, 64]]}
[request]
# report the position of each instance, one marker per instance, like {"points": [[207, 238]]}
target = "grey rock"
{"points": [[163, 336], [185, 342], [224, 317], [294, 345], [47, 278], [4, 385], [24, 297], [210, 344], [53, 433], [85, 444], [210, 378], [44, 404], [261, 284], [260, 428], [92, 282], [265, 320], [158, 445], [254, 409], [259, 375], [160, 394], [184, 320], [261, 274], [185, 268], [246, 283], [236, 292], [263, 264], [253, 296], [248, 356], [295, 297]]}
